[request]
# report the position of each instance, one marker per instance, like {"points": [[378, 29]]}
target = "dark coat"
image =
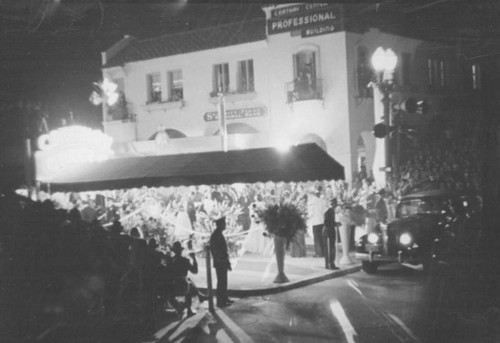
{"points": [[381, 210], [329, 223], [218, 248]]}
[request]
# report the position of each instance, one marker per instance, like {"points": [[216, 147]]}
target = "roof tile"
{"points": [[190, 41]]}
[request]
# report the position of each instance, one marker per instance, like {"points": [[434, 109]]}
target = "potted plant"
{"points": [[283, 221]]}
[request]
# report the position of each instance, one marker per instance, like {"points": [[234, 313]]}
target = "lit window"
{"points": [[476, 77], [154, 87], [175, 85], [306, 84], [221, 78], [245, 76]]}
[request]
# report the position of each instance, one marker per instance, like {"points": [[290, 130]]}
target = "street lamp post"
{"points": [[384, 62]]}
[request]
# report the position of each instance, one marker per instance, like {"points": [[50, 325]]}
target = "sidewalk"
{"points": [[252, 275]]}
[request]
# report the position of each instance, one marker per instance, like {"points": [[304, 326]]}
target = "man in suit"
{"points": [[316, 212], [330, 236], [218, 248]]}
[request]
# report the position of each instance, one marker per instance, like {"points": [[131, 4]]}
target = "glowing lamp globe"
{"points": [[384, 60]]}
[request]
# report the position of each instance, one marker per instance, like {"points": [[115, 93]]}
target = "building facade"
{"points": [[298, 75]]}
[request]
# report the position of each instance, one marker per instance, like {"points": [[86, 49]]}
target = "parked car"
{"points": [[427, 224]]}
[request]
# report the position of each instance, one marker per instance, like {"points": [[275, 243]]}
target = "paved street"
{"points": [[354, 308], [391, 306]]}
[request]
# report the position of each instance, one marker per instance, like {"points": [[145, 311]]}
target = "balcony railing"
{"points": [[300, 90]]}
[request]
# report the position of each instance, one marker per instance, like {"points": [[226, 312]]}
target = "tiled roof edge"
{"points": [[118, 59]]}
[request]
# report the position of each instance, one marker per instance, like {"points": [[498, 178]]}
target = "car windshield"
{"points": [[410, 207]]}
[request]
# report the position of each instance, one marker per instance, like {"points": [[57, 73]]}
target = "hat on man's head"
{"points": [[220, 221], [177, 246]]}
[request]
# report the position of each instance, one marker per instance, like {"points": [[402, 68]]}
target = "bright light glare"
{"points": [[384, 60], [283, 145], [108, 86], [112, 99], [405, 239], [378, 59], [372, 238], [72, 145], [391, 59]]}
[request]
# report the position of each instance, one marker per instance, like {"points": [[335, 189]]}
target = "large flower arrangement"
{"points": [[346, 203], [285, 218]]}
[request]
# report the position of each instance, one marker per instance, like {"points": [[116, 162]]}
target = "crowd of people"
{"points": [[62, 272]]}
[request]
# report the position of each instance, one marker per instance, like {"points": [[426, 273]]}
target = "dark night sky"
{"points": [[52, 52], [57, 56], [59, 60]]}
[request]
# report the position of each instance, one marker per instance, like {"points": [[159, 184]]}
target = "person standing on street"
{"points": [[218, 248], [330, 236], [381, 212], [316, 212]]}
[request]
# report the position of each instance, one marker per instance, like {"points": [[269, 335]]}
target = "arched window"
{"points": [[364, 72]]}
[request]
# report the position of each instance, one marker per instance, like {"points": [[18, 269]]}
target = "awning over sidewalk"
{"points": [[306, 162]]}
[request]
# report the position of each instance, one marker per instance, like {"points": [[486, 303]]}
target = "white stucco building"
{"points": [[298, 75]]}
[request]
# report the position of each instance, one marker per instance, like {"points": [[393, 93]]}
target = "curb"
{"points": [[290, 285], [169, 332]]}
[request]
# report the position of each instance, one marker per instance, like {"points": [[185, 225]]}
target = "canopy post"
{"points": [[209, 279]]}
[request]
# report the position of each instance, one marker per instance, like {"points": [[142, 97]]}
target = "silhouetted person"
{"points": [[222, 265], [381, 212], [179, 268], [330, 236], [119, 245]]}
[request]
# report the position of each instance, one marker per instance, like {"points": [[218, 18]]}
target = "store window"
{"points": [[245, 76], [154, 87], [175, 85], [220, 78]]}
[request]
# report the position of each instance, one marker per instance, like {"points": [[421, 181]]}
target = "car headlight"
{"points": [[405, 239], [372, 238]]}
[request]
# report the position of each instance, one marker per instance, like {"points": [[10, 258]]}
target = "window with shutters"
{"points": [[154, 87], [220, 78], [245, 76], [175, 85]]}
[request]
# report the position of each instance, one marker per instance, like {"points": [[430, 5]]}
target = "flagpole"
{"points": [[222, 122]]}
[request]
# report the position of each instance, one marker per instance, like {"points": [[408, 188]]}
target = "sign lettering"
{"points": [[320, 30], [301, 21], [294, 9], [239, 113]]}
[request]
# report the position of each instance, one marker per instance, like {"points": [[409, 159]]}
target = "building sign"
{"points": [[70, 146], [295, 9], [320, 30], [304, 20], [239, 113]]}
